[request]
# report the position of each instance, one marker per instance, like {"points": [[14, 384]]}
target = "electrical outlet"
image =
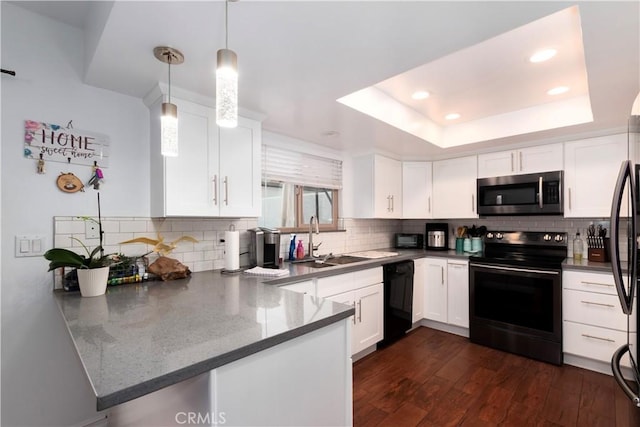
{"points": [[91, 230]]}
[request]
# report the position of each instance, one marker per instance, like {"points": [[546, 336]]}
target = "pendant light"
{"points": [[169, 115], [227, 81]]}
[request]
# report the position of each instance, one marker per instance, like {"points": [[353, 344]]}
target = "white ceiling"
{"points": [[297, 58]]}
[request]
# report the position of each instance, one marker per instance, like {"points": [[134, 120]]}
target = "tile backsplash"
{"points": [[208, 253]]}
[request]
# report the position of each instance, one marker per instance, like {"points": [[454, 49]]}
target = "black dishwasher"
{"points": [[398, 300]]}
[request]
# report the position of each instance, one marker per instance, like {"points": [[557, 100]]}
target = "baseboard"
{"points": [[445, 327], [594, 365], [367, 351]]}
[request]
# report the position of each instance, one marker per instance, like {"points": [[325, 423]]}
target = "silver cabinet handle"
{"points": [[597, 284], [393, 205], [226, 191], [512, 162], [569, 190], [215, 189], [598, 338], [429, 201], [442, 275], [360, 311], [520, 152], [540, 202], [597, 303], [473, 203], [354, 315]]}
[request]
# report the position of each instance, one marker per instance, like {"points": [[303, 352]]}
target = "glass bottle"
{"points": [[577, 247]]}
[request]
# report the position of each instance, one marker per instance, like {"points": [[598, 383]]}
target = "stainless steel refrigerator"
{"points": [[624, 233]]}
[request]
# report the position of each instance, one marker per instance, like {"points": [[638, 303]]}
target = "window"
{"points": [[297, 186]]}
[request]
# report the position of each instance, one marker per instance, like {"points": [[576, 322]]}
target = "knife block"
{"points": [[599, 254]]}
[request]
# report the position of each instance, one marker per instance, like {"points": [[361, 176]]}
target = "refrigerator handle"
{"points": [[626, 298], [617, 374]]}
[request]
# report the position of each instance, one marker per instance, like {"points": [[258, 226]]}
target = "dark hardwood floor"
{"points": [[432, 378]]}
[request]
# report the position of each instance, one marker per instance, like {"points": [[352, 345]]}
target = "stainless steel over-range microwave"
{"points": [[528, 194]]}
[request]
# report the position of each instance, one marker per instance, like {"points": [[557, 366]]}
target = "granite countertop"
{"points": [[586, 265], [140, 338]]}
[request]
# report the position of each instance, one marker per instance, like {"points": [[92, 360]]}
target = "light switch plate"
{"points": [[91, 230], [30, 245]]}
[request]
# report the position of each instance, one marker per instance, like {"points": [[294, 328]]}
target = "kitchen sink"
{"points": [[331, 262]]}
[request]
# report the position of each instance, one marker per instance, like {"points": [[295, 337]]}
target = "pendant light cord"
{"points": [[169, 57], [226, 24]]}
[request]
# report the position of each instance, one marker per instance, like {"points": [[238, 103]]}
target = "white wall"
{"points": [[42, 379]]}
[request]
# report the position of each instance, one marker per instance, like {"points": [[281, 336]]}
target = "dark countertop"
{"points": [[586, 265], [140, 338]]}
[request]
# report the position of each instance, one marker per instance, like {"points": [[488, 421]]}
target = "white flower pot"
{"points": [[93, 281]]}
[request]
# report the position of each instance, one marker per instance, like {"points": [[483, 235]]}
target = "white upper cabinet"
{"points": [[240, 169], [590, 172], [217, 171], [377, 187], [417, 198], [542, 158], [454, 188]]}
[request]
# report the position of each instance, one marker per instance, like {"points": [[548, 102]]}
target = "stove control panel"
{"points": [[526, 237]]}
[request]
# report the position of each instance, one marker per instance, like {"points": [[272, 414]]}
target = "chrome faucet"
{"points": [[313, 248]]}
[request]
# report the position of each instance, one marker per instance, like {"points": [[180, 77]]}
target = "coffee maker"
{"points": [[437, 236], [264, 247]]}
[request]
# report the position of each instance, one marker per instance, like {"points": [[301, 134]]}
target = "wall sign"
{"points": [[60, 144]]}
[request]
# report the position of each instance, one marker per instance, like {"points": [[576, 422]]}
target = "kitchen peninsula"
{"points": [[210, 347]]}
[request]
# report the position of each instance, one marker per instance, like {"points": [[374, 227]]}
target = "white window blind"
{"points": [[300, 168]]}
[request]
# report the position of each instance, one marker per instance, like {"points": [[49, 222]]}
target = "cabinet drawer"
{"points": [[591, 282], [594, 342], [595, 309], [333, 285]]}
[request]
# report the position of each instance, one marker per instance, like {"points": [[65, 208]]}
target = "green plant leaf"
{"points": [[64, 258]]}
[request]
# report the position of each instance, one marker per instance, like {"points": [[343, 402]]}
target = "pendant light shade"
{"points": [[169, 130], [227, 89], [169, 115], [227, 81]]}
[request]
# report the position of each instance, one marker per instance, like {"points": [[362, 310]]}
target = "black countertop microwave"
{"points": [[528, 194], [409, 241]]}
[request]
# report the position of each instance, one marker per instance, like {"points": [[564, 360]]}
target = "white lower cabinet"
{"points": [[446, 292], [594, 325], [305, 287], [435, 290], [419, 279], [364, 291], [458, 293]]}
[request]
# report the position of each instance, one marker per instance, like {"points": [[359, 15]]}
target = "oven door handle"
{"points": [[523, 270]]}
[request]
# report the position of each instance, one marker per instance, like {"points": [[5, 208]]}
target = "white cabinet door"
{"points": [[416, 190], [500, 163], [240, 169], [435, 291], [590, 172], [377, 181], [419, 278], [369, 317], [188, 179], [454, 188], [388, 187], [458, 293], [542, 158]]}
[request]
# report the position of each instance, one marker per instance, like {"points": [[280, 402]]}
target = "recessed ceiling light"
{"points": [[421, 94], [558, 90], [452, 116], [543, 55]]}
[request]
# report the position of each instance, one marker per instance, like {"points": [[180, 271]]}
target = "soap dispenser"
{"points": [[292, 248], [300, 250]]}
